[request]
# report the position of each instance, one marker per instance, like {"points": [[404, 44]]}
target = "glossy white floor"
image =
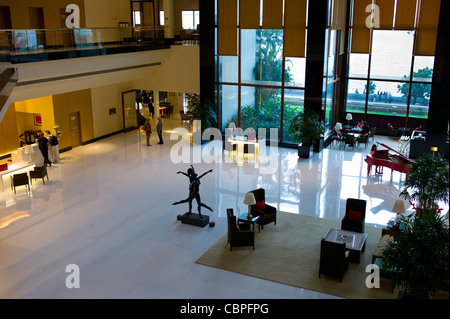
{"points": [[107, 209]]}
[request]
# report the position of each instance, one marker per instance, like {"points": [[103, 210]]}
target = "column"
{"points": [[169, 20]]}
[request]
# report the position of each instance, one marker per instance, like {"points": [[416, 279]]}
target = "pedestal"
{"points": [[195, 219]]}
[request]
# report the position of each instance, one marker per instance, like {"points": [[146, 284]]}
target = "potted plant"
{"points": [[417, 259], [306, 128], [427, 181], [203, 112]]}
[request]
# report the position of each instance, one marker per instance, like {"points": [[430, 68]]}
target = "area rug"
{"points": [[289, 253]]}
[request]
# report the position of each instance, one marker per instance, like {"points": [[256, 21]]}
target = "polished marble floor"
{"points": [[107, 209]]}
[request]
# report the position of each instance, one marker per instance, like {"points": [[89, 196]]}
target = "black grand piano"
{"points": [[382, 158]]}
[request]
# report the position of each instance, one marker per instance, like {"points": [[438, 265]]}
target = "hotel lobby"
{"points": [[103, 224]]}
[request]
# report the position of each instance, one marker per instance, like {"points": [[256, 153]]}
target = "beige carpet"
{"points": [[288, 253]]}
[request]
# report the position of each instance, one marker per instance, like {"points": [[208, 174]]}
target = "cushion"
{"points": [[261, 205], [354, 216], [4, 167], [237, 226]]}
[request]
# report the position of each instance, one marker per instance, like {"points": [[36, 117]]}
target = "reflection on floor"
{"points": [[107, 209]]}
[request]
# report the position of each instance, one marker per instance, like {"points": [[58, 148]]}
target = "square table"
{"points": [[355, 242], [252, 220]]}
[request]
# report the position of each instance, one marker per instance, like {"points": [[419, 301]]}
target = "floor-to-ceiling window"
{"points": [[391, 61], [261, 81]]}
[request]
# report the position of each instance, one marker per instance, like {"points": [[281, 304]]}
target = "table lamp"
{"points": [[338, 126], [434, 149], [399, 207], [348, 118], [249, 200]]}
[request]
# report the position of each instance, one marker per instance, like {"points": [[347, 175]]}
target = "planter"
{"points": [[305, 151]]}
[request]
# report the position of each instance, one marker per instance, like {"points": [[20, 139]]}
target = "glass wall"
{"points": [[389, 80], [251, 85]]}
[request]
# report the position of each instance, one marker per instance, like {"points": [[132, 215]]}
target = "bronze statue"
{"points": [[194, 190]]}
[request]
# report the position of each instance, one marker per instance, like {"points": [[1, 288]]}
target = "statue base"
{"points": [[194, 219]]}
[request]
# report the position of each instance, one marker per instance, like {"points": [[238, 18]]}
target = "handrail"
{"points": [[20, 41]]}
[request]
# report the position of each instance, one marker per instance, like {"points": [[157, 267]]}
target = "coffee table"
{"points": [[243, 218], [355, 242]]}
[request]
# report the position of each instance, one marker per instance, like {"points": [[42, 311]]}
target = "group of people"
{"points": [[364, 126], [49, 146], [148, 130]]}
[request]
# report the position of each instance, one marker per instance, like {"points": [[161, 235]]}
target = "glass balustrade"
{"points": [[33, 41]]}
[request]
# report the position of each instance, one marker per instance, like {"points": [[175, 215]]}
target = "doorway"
{"points": [[36, 15], [75, 129]]}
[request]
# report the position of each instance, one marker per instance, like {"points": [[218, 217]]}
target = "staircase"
{"points": [[8, 80]]}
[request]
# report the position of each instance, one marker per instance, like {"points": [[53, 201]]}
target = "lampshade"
{"points": [[338, 126], [249, 199], [232, 125], [399, 207], [434, 148], [349, 116]]}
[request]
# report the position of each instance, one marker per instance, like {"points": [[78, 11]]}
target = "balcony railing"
{"points": [[33, 41]]}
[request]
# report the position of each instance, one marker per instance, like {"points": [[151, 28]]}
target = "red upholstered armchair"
{"points": [[267, 213], [355, 215]]}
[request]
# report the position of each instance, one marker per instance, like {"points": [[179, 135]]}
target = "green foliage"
{"points": [[205, 112], [269, 58], [372, 87], [417, 259], [267, 116], [427, 180], [418, 90], [306, 127]]}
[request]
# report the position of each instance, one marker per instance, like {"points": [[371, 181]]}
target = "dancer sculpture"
{"points": [[194, 190]]}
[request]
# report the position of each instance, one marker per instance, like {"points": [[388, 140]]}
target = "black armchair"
{"points": [[19, 180], [350, 140], [39, 172], [239, 235], [355, 215], [267, 213], [333, 259]]}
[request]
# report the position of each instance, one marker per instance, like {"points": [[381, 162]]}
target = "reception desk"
{"points": [[245, 146], [30, 153], [24, 158]]}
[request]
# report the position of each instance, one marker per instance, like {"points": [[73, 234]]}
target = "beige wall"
{"points": [[179, 72], [103, 99], [66, 103], [20, 18], [107, 13]]}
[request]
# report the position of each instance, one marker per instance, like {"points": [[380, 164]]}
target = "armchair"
{"points": [[39, 172], [363, 139], [19, 180], [239, 235], [333, 259], [267, 213], [355, 215]]}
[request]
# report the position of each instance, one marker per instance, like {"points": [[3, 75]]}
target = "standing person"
{"points": [[159, 130], [53, 147], [22, 140], [148, 130], [43, 146]]}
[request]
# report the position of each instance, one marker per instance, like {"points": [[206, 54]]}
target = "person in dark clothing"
{"points": [[159, 130], [22, 140], [43, 146]]}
